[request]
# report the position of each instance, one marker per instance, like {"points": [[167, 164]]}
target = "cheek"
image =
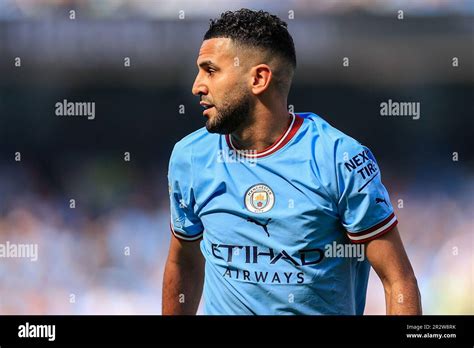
{"points": [[229, 81], [226, 88]]}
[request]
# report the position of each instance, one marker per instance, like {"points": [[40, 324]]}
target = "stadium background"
{"points": [[82, 267]]}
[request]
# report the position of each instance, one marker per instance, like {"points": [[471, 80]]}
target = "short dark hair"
{"points": [[258, 29]]}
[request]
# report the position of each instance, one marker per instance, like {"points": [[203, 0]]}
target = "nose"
{"points": [[199, 88]]}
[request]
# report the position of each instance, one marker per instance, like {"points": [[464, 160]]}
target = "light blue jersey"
{"points": [[278, 227]]}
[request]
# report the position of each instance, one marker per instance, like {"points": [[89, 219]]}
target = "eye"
{"points": [[210, 71]]}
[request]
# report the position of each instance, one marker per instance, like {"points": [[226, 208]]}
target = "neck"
{"points": [[264, 129]]}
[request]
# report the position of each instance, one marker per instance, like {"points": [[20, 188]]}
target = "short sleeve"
{"points": [[185, 224], [364, 204]]}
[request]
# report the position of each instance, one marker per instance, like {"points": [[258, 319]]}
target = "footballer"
{"points": [[259, 193]]}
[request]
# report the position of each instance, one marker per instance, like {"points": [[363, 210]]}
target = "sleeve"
{"points": [[364, 204], [185, 224]]}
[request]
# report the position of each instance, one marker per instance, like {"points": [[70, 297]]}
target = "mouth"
{"points": [[206, 107]]}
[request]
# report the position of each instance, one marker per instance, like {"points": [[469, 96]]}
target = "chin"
{"points": [[214, 130]]}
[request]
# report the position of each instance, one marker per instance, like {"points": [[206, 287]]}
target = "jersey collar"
{"points": [[295, 123]]}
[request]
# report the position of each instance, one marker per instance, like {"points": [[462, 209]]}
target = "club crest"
{"points": [[259, 199]]}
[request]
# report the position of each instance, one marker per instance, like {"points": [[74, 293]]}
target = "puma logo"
{"points": [[380, 200], [263, 225]]}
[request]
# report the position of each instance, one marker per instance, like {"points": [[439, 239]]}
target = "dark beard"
{"points": [[230, 116]]}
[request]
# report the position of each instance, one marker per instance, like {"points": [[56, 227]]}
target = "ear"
{"points": [[261, 78]]}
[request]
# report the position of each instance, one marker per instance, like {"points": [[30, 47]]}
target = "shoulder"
{"points": [[192, 144], [329, 139]]}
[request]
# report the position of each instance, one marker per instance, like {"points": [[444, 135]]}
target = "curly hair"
{"points": [[258, 29]]}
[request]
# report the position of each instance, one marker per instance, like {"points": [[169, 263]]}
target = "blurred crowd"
{"points": [[88, 262], [112, 262], [169, 9]]}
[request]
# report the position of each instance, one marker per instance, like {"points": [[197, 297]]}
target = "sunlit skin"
{"points": [[220, 82]]}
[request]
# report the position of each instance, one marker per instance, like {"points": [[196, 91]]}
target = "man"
{"points": [[267, 196]]}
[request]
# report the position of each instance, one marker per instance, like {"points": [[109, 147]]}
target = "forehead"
{"points": [[216, 49]]}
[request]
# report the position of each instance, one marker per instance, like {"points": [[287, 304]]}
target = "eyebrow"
{"points": [[206, 64]]}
